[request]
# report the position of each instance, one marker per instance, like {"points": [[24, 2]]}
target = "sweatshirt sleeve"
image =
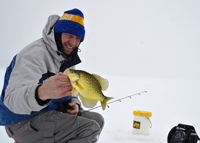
{"points": [[29, 67]]}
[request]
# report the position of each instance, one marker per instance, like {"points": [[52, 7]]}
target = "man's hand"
{"points": [[74, 108], [56, 87]]}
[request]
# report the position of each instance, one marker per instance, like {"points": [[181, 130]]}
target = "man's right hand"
{"points": [[57, 86]]}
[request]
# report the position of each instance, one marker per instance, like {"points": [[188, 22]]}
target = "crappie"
{"points": [[89, 86]]}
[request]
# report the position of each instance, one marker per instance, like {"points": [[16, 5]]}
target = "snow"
{"points": [[170, 101], [137, 45]]}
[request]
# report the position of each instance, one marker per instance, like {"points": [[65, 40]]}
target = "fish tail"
{"points": [[104, 102]]}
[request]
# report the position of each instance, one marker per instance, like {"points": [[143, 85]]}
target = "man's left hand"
{"points": [[74, 108]]}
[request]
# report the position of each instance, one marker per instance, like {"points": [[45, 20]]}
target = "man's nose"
{"points": [[73, 41]]}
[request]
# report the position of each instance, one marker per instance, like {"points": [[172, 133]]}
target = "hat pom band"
{"points": [[74, 18]]}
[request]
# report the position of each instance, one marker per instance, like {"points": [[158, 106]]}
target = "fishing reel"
{"points": [[182, 134]]}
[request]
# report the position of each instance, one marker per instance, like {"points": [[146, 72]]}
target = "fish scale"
{"points": [[92, 91]]}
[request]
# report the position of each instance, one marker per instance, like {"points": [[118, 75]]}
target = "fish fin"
{"points": [[74, 92], [104, 102], [103, 82], [87, 102], [79, 86]]}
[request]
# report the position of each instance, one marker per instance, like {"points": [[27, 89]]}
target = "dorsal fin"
{"points": [[103, 82]]}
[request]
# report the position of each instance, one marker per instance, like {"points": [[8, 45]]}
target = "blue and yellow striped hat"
{"points": [[71, 22]]}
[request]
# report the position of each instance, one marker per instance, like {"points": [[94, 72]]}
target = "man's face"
{"points": [[69, 42]]}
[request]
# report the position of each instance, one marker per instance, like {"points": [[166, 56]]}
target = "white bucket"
{"points": [[141, 122]]}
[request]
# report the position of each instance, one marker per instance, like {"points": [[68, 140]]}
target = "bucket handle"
{"points": [[150, 122]]}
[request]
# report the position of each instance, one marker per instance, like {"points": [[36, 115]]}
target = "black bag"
{"points": [[182, 134]]}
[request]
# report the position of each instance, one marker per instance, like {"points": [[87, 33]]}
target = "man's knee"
{"points": [[88, 133], [95, 116], [99, 119], [92, 128]]}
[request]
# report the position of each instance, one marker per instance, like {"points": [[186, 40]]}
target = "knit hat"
{"points": [[71, 22]]}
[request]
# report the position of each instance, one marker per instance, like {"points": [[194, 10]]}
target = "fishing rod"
{"points": [[117, 100]]}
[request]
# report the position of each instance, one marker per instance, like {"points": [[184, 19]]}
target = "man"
{"points": [[36, 105]]}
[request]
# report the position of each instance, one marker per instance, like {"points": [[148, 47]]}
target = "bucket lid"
{"points": [[142, 113]]}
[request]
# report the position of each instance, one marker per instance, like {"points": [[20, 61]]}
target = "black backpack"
{"points": [[182, 134]]}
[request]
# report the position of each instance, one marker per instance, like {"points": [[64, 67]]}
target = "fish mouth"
{"points": [[66, 72]]}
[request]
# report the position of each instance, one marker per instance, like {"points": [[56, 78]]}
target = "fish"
{"points": [[89, 87]]}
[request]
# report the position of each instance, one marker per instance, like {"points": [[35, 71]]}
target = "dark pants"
{"points": [[58, 127]]}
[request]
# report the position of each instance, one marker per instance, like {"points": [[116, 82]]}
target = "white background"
{"points": [[137, 45]]}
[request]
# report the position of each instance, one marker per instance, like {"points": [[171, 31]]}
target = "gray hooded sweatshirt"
{"points": [[34, 65]]}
